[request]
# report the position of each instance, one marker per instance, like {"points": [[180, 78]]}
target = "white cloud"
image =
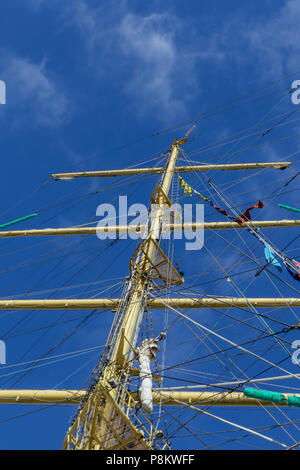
{"points": [[88, 21], [147, 55], [272, 43], [149, 44], [32, 95], [155, 60]]}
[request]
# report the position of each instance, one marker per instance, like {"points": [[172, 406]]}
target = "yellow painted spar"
{"points": [[159, 170], [36, 397], [141, 228], [157, 303], [167, 398]]}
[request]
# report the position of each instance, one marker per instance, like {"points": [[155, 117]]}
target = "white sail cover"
{"points": [[146, 353]]}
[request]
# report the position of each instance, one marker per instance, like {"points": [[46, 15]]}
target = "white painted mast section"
{"points": [[146, 353]]}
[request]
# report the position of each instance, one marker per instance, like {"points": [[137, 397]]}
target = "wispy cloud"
{"points": [[161, 67], [33, 95], [145, 53], [150, 46], [277, 40], [271, 44]]}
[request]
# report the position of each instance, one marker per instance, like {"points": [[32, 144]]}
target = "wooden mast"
{"points": [[102, 431]]}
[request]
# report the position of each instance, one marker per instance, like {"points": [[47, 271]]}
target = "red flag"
{"points": [[297, 268], [297, 265], [224, 212], [246, 215]]}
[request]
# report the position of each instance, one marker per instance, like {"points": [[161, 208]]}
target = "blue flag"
{"points": [[270, 258]]}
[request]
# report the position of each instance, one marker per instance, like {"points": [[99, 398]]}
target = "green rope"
{"points": [[264, 395], [293, 401], [289, 208], [274, 397], [17, 220]]}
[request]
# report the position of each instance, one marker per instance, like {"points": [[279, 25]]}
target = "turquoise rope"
{"points": [[289, 208], [275, 397], [17, 220], [264, 395]]}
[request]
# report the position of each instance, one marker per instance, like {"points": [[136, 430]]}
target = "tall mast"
{"points": [[140, 276], [110, 414], [102, 420]]}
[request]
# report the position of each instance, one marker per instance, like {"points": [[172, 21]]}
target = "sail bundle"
{"points": [[147, 353]]}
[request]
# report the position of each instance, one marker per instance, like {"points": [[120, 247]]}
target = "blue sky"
{"points": [[88, 84]]}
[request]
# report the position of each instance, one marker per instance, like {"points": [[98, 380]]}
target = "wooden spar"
{"points": [[157, 303], [159, 170], [140, 228], [38, 397], [167, 398]]}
